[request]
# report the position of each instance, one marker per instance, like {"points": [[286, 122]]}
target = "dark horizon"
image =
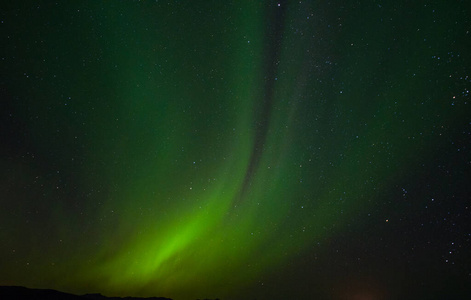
{"points": [[24, 293]]}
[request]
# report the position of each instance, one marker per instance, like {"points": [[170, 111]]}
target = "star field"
{"points": [[236, 149]]}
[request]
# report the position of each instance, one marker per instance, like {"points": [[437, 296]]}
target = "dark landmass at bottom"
{"points": [[23, 293]]}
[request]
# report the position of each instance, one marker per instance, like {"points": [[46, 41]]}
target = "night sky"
{"points": [[237, 149]]}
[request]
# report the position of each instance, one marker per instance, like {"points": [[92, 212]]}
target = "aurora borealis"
{"points": [[236, 149]]}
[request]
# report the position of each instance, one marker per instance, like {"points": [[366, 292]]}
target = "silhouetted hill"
{"points": [[19, 292]]}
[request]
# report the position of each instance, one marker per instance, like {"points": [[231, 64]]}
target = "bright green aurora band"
{"points": [[194, 148]]}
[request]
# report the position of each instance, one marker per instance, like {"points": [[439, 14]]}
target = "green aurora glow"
{"points": [[189, 150]]}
